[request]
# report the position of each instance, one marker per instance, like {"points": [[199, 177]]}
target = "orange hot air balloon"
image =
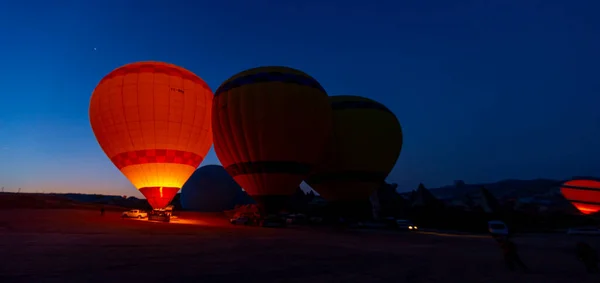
{"points": [[583, 194], [152, 120], [270, 127], [366, 143]]}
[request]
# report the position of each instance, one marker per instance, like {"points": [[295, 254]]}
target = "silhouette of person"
{"points": [[511, 257], [102, 211], [588, 255]]}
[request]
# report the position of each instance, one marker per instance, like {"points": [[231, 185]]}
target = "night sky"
{"points": [[484, 90]]}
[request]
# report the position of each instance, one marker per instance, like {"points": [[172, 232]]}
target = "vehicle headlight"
{"points": [[415, 227], [410, 227]]}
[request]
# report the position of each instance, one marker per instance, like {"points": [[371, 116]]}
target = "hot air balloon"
{"points": [[583, 194], [270, 127], [210, 189], [152, 120], [366, 143]]}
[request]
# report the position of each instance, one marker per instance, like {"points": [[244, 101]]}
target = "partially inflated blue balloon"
{"points": [[211, 189]]}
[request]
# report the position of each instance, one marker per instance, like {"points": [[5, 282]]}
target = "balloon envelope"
{"points": [[270, 126], [364, 148], [211, 189], [583, 194], [152, 120]]}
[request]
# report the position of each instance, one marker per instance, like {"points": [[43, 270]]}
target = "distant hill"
{"points": [[509, 188], [130, 202], [502, 189]]}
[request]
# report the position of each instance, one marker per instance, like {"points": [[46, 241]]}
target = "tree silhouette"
{"points": [[390, 202]]}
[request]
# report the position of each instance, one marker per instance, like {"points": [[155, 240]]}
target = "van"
{"points": [[497, 228]]}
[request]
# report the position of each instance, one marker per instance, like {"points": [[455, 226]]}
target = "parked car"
{"points": [[244, 218], [273, 221], [296, 219], [406, 225], [240, 220], [134, 213], [498, 228]]}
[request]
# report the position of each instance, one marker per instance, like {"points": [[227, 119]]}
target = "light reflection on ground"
{"points": [[441, 234], [177, 220]]}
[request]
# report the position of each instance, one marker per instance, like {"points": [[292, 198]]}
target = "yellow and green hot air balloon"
{"points": [[366, 143], [270, 128]]}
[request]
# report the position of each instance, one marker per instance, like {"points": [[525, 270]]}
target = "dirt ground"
{"points": [[51, 245]]}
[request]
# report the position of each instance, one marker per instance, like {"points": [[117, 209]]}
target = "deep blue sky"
{"points": [[507, 89]]}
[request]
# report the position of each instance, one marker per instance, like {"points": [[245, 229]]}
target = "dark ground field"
{"points": [[53, 245]]}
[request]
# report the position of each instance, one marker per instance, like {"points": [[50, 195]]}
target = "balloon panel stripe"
{"points": [[581, 188], [156, 156], [347, 105], [347, 176], [266, 77], [268, 167], [159, 197], [154, 68]]}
